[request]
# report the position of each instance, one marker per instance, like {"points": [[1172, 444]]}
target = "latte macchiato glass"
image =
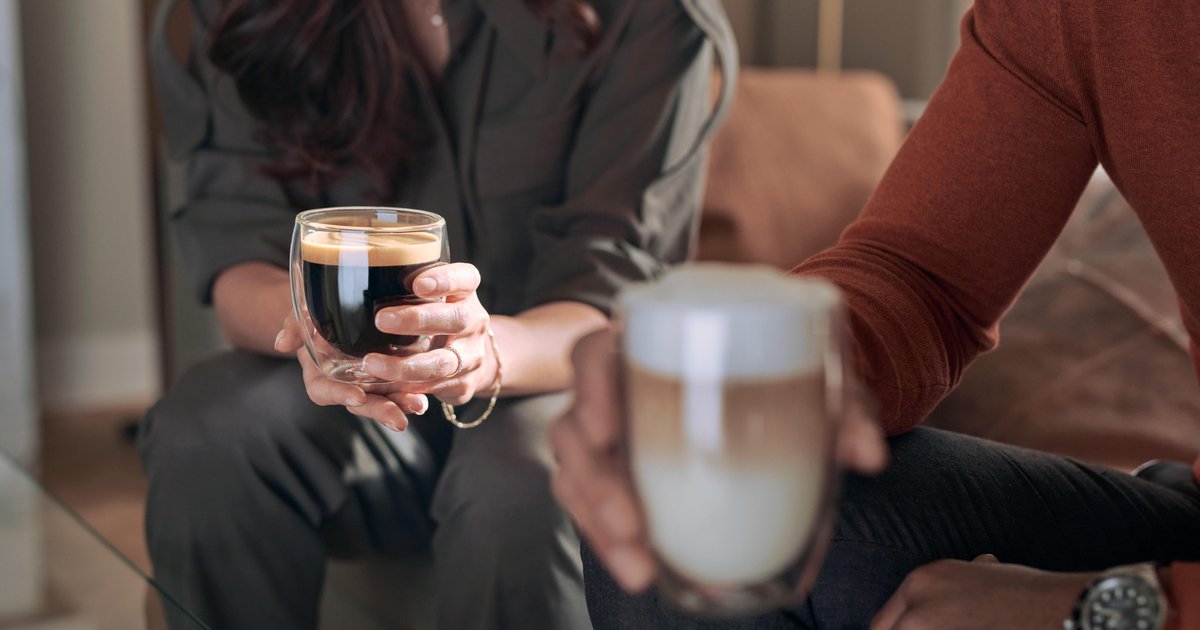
{"points": [[733, 382], [346, 265]]}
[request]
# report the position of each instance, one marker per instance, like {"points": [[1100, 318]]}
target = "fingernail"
{"points": [[391, 427], [386, 319], [279, 338], [353, 401], [425, 285], [397, 420], [372, 364], [422, 407]]}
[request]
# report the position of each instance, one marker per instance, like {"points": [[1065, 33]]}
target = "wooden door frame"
{"points": [[178, 35]]}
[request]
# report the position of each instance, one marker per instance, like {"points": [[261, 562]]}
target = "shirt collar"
{"points": [[462, 18], [520, 31]]}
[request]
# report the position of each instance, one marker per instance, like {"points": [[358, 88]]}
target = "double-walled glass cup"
{"points": [[346, 265], [734, 387]]}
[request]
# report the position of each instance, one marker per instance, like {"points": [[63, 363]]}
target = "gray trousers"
{"points": [[252, 487]]}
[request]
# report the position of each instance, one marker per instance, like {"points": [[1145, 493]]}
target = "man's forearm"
{"points": [[251, 301]]}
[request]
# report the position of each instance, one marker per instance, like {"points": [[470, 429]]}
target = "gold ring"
{"points": [[458, 355]]}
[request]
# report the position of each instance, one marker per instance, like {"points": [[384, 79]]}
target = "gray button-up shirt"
{"points": [[560, 178]]}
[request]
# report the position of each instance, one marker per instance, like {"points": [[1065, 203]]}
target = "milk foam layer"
{"points": [[370, 249], [717, 321]]}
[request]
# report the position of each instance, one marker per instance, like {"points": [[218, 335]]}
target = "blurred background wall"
{"points": [[910, 41], [90, 202], [17, 415]]}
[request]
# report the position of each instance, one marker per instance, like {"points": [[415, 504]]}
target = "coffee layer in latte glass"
{"points": [[730, 426]]}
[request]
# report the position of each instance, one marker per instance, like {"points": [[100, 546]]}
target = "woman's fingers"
{"points": [[289, 338], [427, 367], [435, 318], [430, 373], [410, 404], [325, 391], [447, 281], [455, 391], [382, 410]]}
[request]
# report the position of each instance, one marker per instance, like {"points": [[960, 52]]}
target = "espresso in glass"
{"points": [[350, 263], [733, 385], [349, 278]]}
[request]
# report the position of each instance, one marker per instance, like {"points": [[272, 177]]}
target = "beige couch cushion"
{"points": [[795, 163]]}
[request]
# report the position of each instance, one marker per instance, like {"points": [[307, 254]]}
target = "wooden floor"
{"points": [[89, 464], [56, 577]]}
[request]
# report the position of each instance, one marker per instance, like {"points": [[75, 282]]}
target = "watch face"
{"points": [[1123, 602]]}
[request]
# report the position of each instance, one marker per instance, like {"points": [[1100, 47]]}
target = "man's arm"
{"points": [[977, 195], [985, 593], [1183, 581]]}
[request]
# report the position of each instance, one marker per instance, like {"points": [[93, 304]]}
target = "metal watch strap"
{"points": [[1147, 571]]}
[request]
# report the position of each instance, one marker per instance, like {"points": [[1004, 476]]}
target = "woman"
{"points": [[563, 141], [1040, 91]]}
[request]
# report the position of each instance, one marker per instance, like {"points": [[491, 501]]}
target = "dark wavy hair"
{"points": [[330, 80]]}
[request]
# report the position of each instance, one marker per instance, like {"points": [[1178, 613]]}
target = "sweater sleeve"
{"points": [[977, 195], [1185, 581], [1185, 589]]}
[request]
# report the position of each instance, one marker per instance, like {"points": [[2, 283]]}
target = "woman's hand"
{"points": [[592, 481], [983, 594], [461, 320]]}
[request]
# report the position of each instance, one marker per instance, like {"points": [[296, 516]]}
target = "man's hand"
{"points": [[592, 481], [981, 595]]}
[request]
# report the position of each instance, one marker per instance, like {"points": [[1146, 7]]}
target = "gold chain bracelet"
{"points": [[448, 409]]}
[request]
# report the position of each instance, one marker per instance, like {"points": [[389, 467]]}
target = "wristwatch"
{"points": [[1124, 598]]}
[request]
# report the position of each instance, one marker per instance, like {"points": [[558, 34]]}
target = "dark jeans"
{"points": [[951, 496]]}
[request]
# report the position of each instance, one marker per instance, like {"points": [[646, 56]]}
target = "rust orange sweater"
{"points": [[1040, 91]]}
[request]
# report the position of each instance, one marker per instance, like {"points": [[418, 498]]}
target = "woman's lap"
{"points": [[251, 485]]}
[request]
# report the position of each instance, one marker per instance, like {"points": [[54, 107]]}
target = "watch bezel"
{"points": [[1142, 577]]}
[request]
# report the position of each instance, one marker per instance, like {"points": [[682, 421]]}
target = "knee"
{"points": [[509, 516], [504, 512], [202, 434]]}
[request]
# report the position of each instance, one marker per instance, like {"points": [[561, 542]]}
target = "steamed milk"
{"points": [[729, 435]]}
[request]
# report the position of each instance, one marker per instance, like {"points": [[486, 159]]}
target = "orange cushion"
{"points": [[795, 162]]}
